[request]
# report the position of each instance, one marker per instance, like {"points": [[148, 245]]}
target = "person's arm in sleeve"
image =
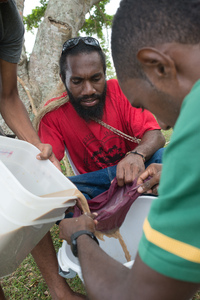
{"points": [[107, 279]]}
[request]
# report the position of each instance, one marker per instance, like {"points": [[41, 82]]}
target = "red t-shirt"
{"points": [[90, 145]]}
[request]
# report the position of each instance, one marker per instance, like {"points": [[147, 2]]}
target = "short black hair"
{"points": [[142, 23], [80, 48]]}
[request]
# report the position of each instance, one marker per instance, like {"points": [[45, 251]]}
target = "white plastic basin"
{"points": [[25, 216], [131, 231]]}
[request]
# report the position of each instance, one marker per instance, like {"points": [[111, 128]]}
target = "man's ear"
{"points": [[156, 64]]}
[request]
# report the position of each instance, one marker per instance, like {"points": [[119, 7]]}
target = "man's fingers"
{"points": [[127, 175], [46, 151], [52, 158], [55, 161], [120, 176], [91, 215], [84, 222], [144, 187], [148, 185], [143, 176], [155, 189]]}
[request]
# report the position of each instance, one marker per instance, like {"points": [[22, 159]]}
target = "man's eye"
{"points": [[76, 81], [96, 79]]}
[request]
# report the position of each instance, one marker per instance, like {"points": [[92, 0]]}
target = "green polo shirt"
{"points": [[171, 234]]}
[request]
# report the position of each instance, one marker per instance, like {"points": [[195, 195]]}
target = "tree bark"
{"points": [[38, 77]]}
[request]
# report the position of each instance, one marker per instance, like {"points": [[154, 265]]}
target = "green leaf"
{"points": [[34, 19]]}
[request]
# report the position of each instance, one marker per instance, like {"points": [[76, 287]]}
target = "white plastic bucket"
{"points": [[131, 232], [25, 216]]}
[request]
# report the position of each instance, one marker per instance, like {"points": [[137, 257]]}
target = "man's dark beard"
{"points": [[95, 111]]}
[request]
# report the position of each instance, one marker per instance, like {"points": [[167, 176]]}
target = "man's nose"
{"points": [[88, 88]]}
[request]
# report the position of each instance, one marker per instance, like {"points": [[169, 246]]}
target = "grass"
{"points": [[167, 135], [27, 283]]}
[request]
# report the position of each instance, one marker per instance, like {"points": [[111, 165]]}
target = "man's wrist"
{"points": [[76, 235], [136, 153]]}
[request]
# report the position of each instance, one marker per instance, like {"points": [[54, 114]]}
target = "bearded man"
{"points": [[102, 134]]}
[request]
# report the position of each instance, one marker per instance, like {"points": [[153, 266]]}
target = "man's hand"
{"points": [[150, 186], [129, 168], [46, 153], [70, 226]]}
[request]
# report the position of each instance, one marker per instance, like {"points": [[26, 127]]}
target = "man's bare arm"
{"points": [[132, 165], [14, 112], [107, 279]]}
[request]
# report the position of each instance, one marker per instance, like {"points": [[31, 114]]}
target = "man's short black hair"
{"points": [[146, 23], [80, 48]]}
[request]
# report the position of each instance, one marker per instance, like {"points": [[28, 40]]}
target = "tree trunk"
{"points": [[39, 76]]}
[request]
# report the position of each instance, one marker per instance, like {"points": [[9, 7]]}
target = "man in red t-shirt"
{"points": [[74, 126]]}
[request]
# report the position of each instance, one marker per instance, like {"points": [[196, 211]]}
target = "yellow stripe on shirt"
{"points": [[171, 245]]}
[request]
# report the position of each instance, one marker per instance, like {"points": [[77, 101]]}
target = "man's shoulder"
{"points": [[114, 91], [54, 108], [194, 93], [59, 98], [112, 84], [191, 103]]}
